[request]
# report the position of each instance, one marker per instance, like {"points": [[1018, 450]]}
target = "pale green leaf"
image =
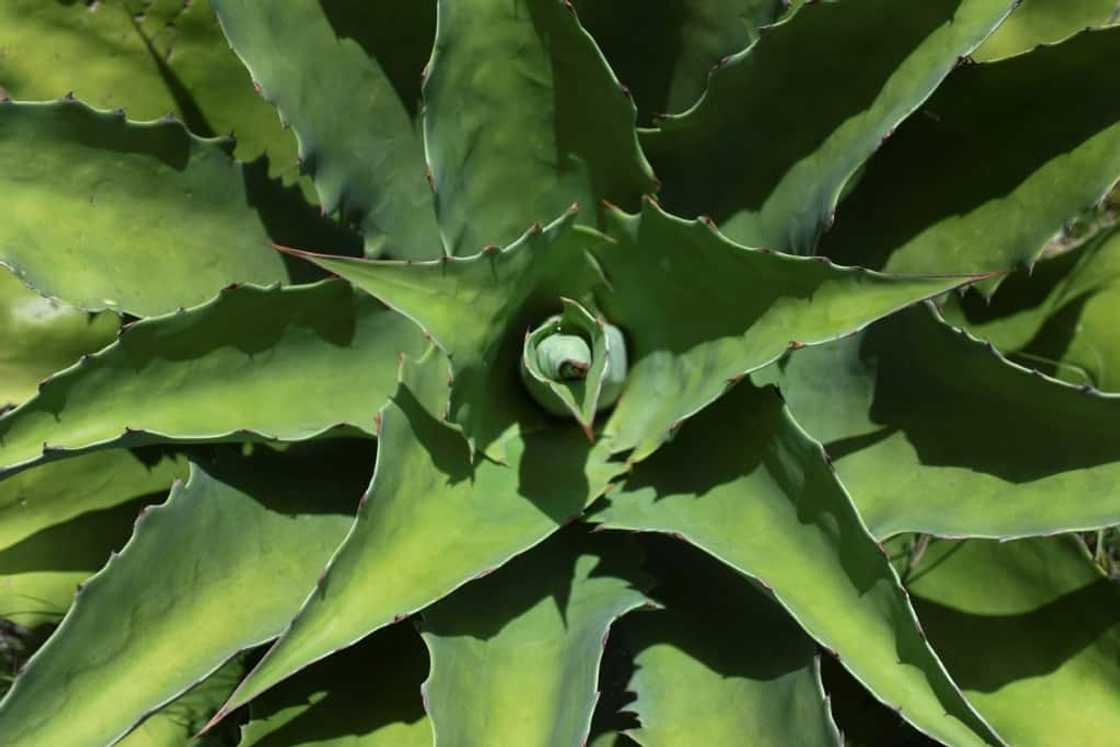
{"points": [[933, 431], [515, 656], [523, 118], [355, 135], [994, 165], [786, 123], [746, 484], [433, 519], [722, 665], [39, 336], [142, 218], [207, 574], [366, 696], [1030, 631], [288, 364]]}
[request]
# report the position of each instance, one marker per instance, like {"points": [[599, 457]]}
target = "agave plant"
{"points": [[427, 413]]}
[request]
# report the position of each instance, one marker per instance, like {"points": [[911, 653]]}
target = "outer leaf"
{"points": [[355, 135], [700, 311], [136, 217], [722, 664], [665, 51], [1061, 319], [770, 147], [1037, 22], [48, 495], [518, 663], [1004, 163], [523, 117], [478, 310], [39, 574], [935, 432], [433, 519], [176, 723], [1022, 624], [39, 336], [744, 483], [225, 370], [149, 58], [207, 574], [368, 696]]}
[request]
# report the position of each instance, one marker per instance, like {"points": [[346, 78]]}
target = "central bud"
{"points": [[574, 364]]}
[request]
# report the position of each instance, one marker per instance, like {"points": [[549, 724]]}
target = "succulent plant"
{"points": [[722, 372]]}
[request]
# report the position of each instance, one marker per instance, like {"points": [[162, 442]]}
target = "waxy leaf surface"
{"points": [[933, 431], [142, 218], [356, 138], [746, 484], [518, 663], [522, 118], [786, 123], [287, 364], [205, 575], [434, 517]]}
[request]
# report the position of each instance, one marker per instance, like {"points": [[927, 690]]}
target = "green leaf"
{"points": [[523, 117], [993, 166], [745, 483], [433, 519], [40, 573], [340, 702], [478, 309], [665, 51], [1060, 319], [288, 364], [722, 664], [1029, 629], [355, 135], [51, 494], [39, 336], [142, 218], [149, 60], [933, 431], [176, 724], [700, 312], [770, 147], [1037, 22], [518, 663], [205, 575]]}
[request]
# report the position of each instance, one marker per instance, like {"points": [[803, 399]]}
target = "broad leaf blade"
{"points": [[1025, 623], [478, 309], [700, 312], [1061, 319], [137, 217], [785, 124], [176, 724], [518, 663], [664, 52], [744, 483], [933, 431], [366, 696], [1003, 160], [226, 370], [207, 574], [722, 664], [170, 58], [39, 336], [51, 494], [523, 117], [433, 519], [1037, 22], [355, 135]]}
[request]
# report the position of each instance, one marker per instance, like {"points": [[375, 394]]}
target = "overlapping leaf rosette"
{"points": [[531, 446]]}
